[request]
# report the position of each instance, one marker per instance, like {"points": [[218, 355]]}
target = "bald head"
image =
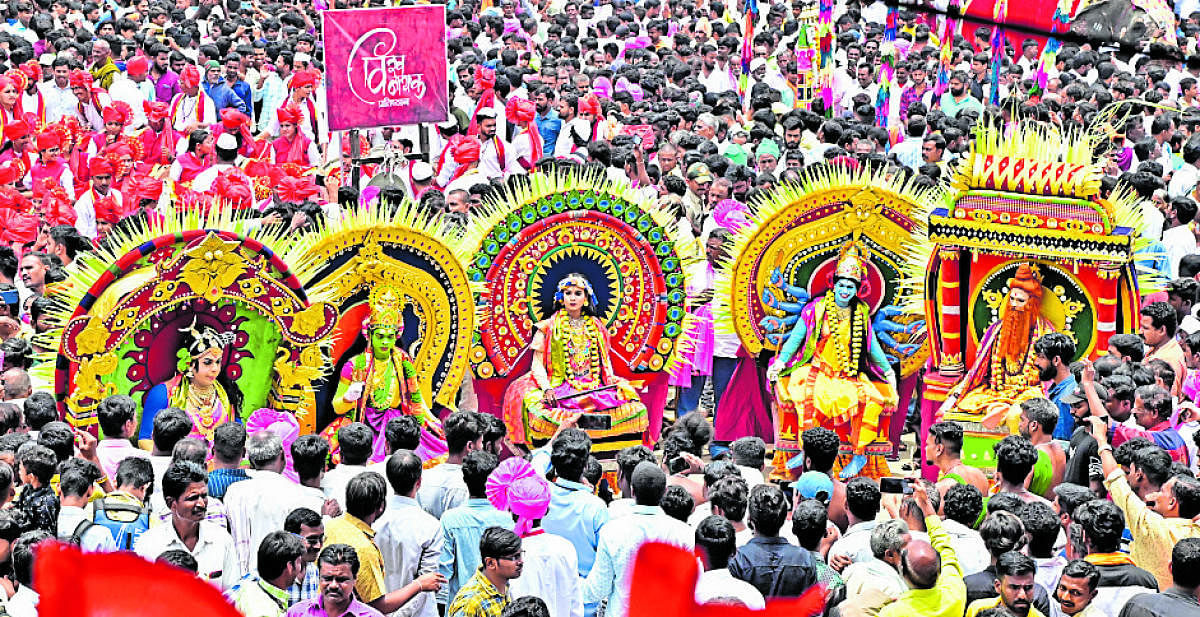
{"points": [[921, 564], [16, 384]]}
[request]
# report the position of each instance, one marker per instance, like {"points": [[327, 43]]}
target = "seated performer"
{"points": [[1004, 373], [840, 379], [572, 372], [381, 383], [197, 388]]}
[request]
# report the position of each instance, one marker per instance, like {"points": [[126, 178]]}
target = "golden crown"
{"points": [[387, 306], [851, 264]]}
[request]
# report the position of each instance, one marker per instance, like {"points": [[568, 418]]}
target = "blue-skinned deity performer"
{"points": [[381, 383], [832, 372]]}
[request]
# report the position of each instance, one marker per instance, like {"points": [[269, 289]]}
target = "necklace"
{"points": [[382, 379], [202, 401]]}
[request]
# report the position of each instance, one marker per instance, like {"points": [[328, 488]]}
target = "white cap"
{"points": [[421, 171], [302, 57], [227, 142]]}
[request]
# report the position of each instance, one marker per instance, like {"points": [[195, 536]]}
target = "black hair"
{"points": [[229, 442], [114, 412], [1042, 524], [949, 434], [461, 428], [1042, 411], [1015, 457], [1162, 315], [863, 498], [1156, 399], [628, 458], [171, 425], [1013, 563], [136, 472], [402, 433], [731, 494], [301, 516], [820, 448], [476, 467], [178, 477], [1103, 523], [768, 509], [1002, 532], [963, 504], [276, 551], [38, 461], [179, 558], [356, 441], [1187, 494], [677, 502], [403, 471], [716, 537], [1185, 563], [569, 452], [366, 493], [498, 542], [526, 606], [40, 410], [59, 438], [1079, 568], [22, 555], [338, 554], [1155, 463], [1128, 345], [310, 453], [809, 520], [1058, 345]]}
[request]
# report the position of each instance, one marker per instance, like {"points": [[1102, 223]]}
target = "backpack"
{"points": [[126, 522]]}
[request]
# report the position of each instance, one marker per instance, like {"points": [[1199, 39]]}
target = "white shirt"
{"points": [[972, 554], [127, 90], [721, 585], [23, 603], [185, 111], [159, 464], [1183, 181], [1048, 571], [618, 541], [442, 488], [410, 541], [214, 552], [490, 163], [551, 573], [95, 539], [335, 480], [258, 506], [85, 222], [60, 102], [856, 543], [1178, 241]]}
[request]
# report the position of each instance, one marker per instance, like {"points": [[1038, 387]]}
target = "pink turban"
{"points": [[517, 488], [282, 424]]}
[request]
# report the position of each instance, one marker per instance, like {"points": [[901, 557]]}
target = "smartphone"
{"points": [[595, 422], [897, 486]]}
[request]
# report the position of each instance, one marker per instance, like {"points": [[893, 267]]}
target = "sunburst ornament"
{"points": [[533, 236]]}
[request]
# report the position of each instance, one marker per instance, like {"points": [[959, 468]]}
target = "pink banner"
{"points": [[386, 67]]}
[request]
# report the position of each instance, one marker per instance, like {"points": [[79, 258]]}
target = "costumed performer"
{"points": [[381, 383], [572, 372], [840, 380], [1004, 373], [198, 387]]}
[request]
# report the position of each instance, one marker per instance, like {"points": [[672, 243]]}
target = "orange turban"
{"points": [[467, 151], [1028, 280]]}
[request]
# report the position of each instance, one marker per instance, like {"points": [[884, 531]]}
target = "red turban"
{"points": [[467, 151], [290, 113], [233, 187], [295, 190], [189, 77], [485, 77], [589, 104], [138, 65], [16, 129], [106, 209], [520, 111], [32, 70], [303, 78], [80, 79], [100, 166], [156, 110], [118, 112], [232, 119], [48, 139], [140, 186], [18, 77]]}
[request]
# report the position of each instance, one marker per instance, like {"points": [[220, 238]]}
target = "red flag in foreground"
{"points": [[76, 584], [664, 583]]}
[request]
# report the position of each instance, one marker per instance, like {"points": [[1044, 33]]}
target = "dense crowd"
{"points": [[126, 110]]}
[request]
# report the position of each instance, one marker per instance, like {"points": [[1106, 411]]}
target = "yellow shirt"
{"points": [[1153, 536], [948, 597], [979, 606], [348, 529]]}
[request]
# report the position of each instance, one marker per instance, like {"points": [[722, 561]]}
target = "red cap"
{"points": [[138, 65], [190, 76], [100, 166], [16, 129]]}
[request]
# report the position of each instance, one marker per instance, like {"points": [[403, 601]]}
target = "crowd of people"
{"points": [[118, 112]]}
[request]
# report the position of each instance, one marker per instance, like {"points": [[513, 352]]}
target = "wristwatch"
{"points": [[1104, 448]]}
